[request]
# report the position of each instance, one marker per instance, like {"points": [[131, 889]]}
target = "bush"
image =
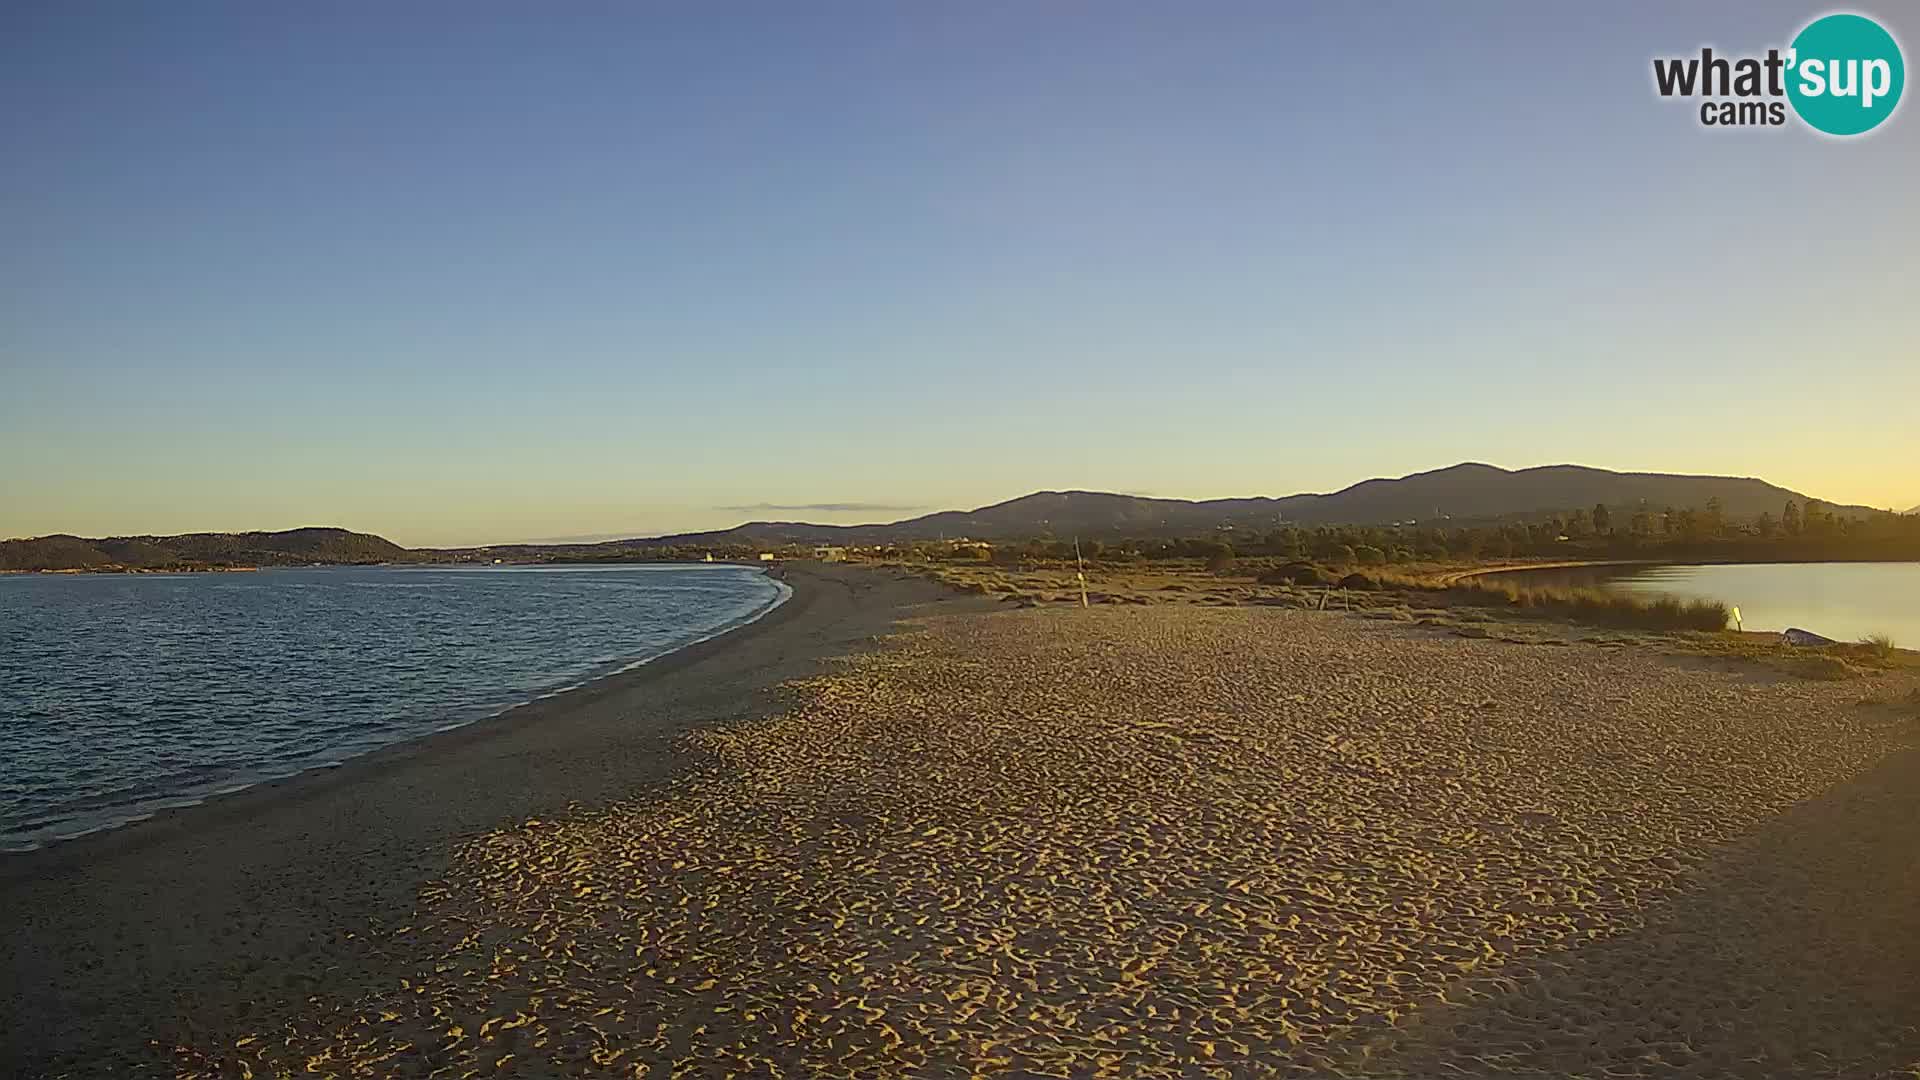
{"points": [[1297, 573], [1368, 555], [1361, 582]]}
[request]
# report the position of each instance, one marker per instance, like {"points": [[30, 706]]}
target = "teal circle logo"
{"points": [[1845, 74]]}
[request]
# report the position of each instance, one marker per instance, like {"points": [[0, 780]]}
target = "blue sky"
{"points": [[469, 272]]}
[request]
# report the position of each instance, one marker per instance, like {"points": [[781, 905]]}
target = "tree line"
{"points": [[1815, 531]]}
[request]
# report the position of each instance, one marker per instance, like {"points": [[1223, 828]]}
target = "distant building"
{"points": [[766, 556], [830, 554]]}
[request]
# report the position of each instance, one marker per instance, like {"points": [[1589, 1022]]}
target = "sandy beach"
{"points": [[1166, 840], [206, 919]]}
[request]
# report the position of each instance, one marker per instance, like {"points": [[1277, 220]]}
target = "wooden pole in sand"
{"points": [[1080, 572]]}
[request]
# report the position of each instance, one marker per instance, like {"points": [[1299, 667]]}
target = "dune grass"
{"points": [[1596, 606], [1466, 599], [1468, 607], [1879, 645]]}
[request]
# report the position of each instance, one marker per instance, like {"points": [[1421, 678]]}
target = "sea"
{"points": [[122, 695]]}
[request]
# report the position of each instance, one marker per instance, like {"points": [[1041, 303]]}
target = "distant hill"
{"points": [[1461, 493], [1458, 494], [291, 547]]}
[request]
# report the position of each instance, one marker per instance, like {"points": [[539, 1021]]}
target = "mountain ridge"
{"points": [[1467, 491]]}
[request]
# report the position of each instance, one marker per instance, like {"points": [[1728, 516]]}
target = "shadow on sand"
{"points": [[1796, 952]]}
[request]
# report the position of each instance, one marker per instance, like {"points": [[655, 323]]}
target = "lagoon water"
{"points": [[1843, 601], [121, 695]]}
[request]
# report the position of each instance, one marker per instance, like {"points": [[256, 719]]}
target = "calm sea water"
{"points": [[1843, 601], [121, 695]]}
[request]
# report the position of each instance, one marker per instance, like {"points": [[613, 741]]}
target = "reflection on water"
{"points": [[1844, 601]]}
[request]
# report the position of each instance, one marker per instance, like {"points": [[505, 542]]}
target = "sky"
{"points": [[473, 272]]}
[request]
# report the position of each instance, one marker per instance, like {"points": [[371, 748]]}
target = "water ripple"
{"points": [[123, 696]]}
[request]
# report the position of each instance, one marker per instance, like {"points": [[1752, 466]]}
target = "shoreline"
{"points": [[201, 914], [1222, 796], [1578, 564], [1455, 577], [171, 803], [1178, 840]]}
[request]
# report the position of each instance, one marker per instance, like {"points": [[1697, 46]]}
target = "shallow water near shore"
{"points": [[125, 695]]}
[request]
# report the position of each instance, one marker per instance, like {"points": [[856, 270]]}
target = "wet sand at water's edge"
{"points": [[1162, 841]]}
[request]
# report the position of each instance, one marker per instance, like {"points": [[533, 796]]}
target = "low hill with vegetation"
{"points": [[291, 547]]}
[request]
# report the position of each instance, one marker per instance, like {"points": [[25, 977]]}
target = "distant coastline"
{"points": [[1469, 512], [138, 570]]}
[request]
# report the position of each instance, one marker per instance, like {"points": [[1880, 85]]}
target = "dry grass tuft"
{"points": [[1879, 645], [1823, 667]]}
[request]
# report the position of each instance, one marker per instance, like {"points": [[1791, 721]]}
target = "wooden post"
{"points": [[1080, 572]]}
